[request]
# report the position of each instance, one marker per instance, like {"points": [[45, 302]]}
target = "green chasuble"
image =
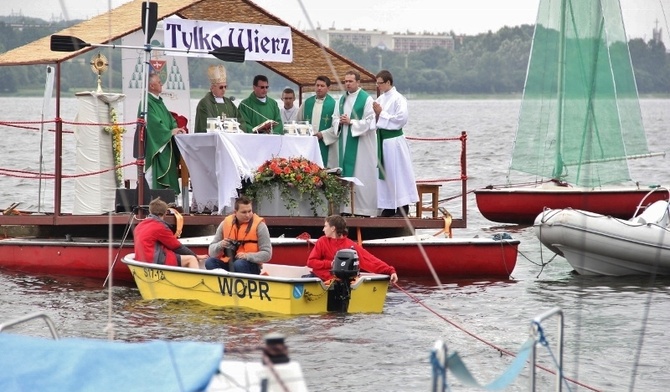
{"points": [[208, 107], [161, 153], [348, 156], [254, 112], [325, 122]]}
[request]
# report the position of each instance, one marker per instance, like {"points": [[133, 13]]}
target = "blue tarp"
{"points": [[37, 364]]}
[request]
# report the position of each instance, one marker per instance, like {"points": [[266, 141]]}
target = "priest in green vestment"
{"points": [[318, 110], [161, 154], [355, 127], [215, 103], [260, 110]]}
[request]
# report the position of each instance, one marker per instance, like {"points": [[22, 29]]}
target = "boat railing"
{"points": [[442, 361], [641, 206], [30, 317], [462, 178], [538, 333]]}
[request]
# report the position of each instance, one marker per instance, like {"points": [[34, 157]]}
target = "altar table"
{"points": [[218, 162]]}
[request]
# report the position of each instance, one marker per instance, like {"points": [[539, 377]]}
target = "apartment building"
{"points": [[397, 42]]}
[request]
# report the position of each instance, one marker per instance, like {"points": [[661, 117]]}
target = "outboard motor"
{"points": [[345, 268], [345, 264]]}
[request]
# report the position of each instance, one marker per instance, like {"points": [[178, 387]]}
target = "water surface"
{"points": [[614, 327]]}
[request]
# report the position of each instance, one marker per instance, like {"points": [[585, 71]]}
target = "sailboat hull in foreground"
{"points": [[596, 244], [77, 364], [522, 205]]}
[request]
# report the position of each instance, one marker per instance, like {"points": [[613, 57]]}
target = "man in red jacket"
{"points": [[335, 238], [155, 243]]}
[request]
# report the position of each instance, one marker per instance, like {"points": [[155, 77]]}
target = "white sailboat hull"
{"points": [[596, 244]]}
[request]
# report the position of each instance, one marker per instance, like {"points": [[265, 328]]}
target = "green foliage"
{"points": [[491, 63], [7, 80], [651, 65]]}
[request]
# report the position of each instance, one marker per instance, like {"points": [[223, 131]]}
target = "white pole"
{"points": [[46, 106]]}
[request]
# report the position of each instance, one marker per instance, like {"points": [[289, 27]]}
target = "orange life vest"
{"points": [[246, 233]]}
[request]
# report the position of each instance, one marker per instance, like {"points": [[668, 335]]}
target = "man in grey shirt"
{"points": [[241, 242]]}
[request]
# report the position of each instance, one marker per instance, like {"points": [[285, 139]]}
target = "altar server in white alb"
{"points": [[288, 111], [396, 184], [318, 110], [354, 130]]}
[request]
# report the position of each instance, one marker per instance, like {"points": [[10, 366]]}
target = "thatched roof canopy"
{"points": [[309, 59]]}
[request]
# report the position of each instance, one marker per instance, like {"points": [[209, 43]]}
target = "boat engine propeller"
{"points": [[346, 269]]}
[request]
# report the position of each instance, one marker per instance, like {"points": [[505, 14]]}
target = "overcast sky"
{"points": [[463, 17]]}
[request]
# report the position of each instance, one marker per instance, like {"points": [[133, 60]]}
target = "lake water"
{"points": [[615, 328]]}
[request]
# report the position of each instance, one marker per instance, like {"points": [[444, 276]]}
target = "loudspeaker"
{"points": [[126, 199]]}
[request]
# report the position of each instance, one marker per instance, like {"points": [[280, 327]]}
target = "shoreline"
{"points": [[198, 93]]}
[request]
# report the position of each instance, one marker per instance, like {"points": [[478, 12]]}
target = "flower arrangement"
{"points": [[116, 131], [307, 178]]}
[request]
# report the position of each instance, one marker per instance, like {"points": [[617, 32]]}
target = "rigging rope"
{"points": [[37, 175], [433, 139], [25, 124]]}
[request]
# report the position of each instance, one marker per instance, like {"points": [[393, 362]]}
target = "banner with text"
{"points": [[262, 42]]}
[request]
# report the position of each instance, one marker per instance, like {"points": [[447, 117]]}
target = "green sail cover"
{"points": [[578, 122]]}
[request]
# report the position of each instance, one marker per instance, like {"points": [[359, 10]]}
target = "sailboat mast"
{"points": [[560, 91]]}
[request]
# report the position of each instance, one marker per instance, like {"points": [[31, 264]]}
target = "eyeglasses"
{"points": [[380, 83], [222, 87], [263, 87]]}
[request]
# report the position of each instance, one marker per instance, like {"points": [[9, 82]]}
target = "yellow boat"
{"points": [[279, 289]]}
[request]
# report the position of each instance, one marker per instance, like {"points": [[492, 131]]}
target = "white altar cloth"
{"points": [[218, 162]]}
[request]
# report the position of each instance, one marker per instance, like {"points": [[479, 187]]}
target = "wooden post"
{"points": [[183, 171]]}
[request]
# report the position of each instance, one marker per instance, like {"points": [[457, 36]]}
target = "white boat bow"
{"points": [[596, 244]]}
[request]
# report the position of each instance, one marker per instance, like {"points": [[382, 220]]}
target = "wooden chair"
{"points": [[424, 190]]}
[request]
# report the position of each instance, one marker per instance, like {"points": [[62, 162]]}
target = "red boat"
{"points": [[448, 258], [523, 205]]}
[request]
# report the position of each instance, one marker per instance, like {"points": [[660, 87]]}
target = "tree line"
{"points": [[488, 63], [493, 63]]}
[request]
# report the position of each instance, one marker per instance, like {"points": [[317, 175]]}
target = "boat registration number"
{"points": [[153, 274], [244, 288]]}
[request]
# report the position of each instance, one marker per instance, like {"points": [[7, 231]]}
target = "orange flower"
{"points": [[298, 174]]}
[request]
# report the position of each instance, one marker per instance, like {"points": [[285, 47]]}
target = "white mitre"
{"points": [[216, 74]]}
